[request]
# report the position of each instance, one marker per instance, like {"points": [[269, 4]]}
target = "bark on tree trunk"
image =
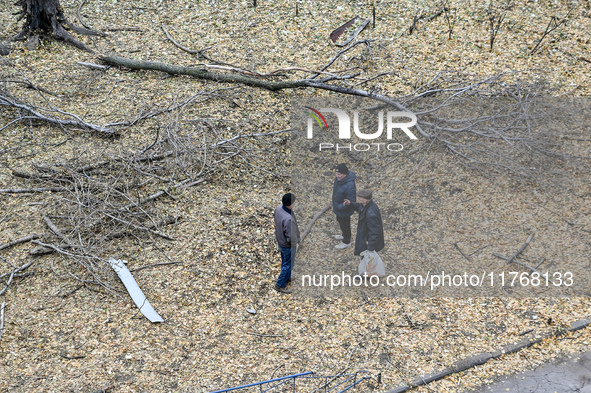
{"points": [[46, 16]]}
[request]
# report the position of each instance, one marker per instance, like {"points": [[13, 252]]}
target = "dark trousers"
{"points": [[287, 254], [345, 224]]}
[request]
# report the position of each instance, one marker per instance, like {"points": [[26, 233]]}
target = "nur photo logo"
{"points": [[394, 123]]}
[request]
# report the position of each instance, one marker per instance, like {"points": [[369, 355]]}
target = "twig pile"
{"points": [[98, 198]]}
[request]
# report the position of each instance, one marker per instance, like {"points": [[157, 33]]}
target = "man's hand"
{"points": [[347, 202]]}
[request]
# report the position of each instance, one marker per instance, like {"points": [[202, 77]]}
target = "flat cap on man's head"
{"points": [[342, 168], [365, 193], [288, 199]]}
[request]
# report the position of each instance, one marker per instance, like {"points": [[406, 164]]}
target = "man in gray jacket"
{"points": [[288, 237]]}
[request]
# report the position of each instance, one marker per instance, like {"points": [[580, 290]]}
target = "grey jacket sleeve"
{"points": [[286, 224]]}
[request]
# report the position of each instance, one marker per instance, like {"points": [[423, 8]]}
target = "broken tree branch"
{"points": [[31, 190], [19, 241], [156, 195], [63, 354], [355, 33], [249, 81], [495, 21], [311, 224], [36, 113], [422, 16], [150, 228], [461, 252], [93, 66], [78, 14], [553, 24], [123, 28], [55, 230], [571, 223], [2, 319], [513, 258], [54, 248], [15, 273], [521, 249], [525, 265], [340, 53], [264, 335], [199, 52], [191, 51], [155, 264]]}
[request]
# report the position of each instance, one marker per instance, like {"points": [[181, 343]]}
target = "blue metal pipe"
{"points": [[274, 386], [351, 376], [263, 382], [350, 386]]}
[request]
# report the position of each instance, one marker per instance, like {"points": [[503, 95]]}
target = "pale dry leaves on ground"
{"points": [[60, 336]]}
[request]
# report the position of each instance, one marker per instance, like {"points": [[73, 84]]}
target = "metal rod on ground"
{"points": [[263, 382], [354, 384], [275, 386]]}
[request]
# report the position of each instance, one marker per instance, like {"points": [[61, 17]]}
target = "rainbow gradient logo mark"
{"points": [[317, 115]]}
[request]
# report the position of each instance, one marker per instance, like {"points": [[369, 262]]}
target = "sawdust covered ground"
{"points": [[58, 337]]}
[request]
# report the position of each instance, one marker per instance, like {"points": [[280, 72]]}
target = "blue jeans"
{"points": [[286, 264]]}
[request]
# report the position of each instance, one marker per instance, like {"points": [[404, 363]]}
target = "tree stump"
{"points": [[46, 16]]}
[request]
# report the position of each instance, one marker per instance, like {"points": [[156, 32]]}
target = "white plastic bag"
{"points": [[372, 264]]}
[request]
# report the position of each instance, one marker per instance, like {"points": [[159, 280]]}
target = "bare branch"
{"points": [[55, 230], [2, 319], [312, 222], [15, 273], [31, 190], [78, 13], [36, 113], [19, 241], [199, 53], [553, 24], [513, 258], [156, 264]]}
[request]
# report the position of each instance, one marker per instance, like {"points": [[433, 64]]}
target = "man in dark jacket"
{"points": [[343, 188], [288, 237], [370, 229]]}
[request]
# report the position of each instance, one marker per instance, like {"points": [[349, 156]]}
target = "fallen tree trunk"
{"points": [[250, 81]]}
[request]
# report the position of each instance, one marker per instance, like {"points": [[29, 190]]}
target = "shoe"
{"points": [[338, 237], [281, 290], [342, 246]]}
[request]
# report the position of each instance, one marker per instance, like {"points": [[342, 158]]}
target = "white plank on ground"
{"points": [[134, 290]]}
